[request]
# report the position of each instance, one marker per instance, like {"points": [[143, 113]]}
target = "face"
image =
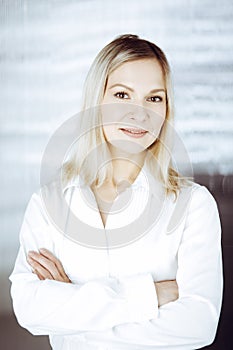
{"points": [[134, 105]]}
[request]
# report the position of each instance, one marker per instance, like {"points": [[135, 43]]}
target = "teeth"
{"points": [[135, 131]]}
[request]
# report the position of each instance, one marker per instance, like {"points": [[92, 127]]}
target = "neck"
{"points": [[126, 167]]}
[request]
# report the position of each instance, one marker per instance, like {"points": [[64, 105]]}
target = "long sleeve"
{"points": [[191, 321], [51, 307]]}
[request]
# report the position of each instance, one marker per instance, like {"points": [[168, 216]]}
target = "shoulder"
{"points": [[194, 194], [200, 196], [52, 192], [52, 188], [196, 201], [202, 210], [44, 198]]}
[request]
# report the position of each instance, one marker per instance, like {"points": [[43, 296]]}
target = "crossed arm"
{"points": [[124, 317], [46, 266]]}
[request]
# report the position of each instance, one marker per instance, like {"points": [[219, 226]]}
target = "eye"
{"points": [[155, 99], [121, 95]]}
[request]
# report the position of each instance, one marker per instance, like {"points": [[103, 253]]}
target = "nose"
{"points": [[138, 113]]}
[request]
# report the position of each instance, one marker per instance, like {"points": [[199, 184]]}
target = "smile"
{"points": [[136, 133]]}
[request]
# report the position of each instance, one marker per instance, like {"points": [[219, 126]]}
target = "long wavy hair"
{"points": [[90, 156]]}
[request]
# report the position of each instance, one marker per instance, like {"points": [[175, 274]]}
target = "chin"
{"points": [[128, 147]]}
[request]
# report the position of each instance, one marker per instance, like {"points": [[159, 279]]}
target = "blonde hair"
{"points": [[92, 142]]}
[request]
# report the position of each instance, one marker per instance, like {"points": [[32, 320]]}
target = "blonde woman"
{"points": [[121, 251]]}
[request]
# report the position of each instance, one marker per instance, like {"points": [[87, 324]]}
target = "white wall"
{"points": [[46, 48]]}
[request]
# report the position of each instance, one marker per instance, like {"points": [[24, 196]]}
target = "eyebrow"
{"points": [[129, 88]]}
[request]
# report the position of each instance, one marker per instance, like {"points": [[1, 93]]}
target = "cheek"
{"points": [[109, 132], [157, 122], [110, 113]]}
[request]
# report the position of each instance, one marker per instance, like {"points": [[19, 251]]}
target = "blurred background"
{"points": [[46, 48]]}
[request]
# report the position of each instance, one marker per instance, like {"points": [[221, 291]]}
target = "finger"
{"points": [[167, 283], [39, 275], [55, 260], [45, 264], [39, 270], [45, 252]]}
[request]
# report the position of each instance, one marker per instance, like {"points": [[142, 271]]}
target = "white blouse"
{"points": [[112, 302]]}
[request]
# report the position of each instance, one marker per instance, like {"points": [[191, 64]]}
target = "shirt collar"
{"points": [[144, 181], [75, 181]]}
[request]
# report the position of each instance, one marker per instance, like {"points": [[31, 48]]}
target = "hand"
{"points": [[167, 291], [46, 266]]}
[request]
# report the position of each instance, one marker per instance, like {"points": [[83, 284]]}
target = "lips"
{"points": [[134, 132]]}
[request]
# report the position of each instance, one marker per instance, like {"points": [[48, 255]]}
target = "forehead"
{"points": [[146, 72]]}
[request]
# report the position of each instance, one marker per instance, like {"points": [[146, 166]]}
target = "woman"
{"points": [[160, 286]]}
